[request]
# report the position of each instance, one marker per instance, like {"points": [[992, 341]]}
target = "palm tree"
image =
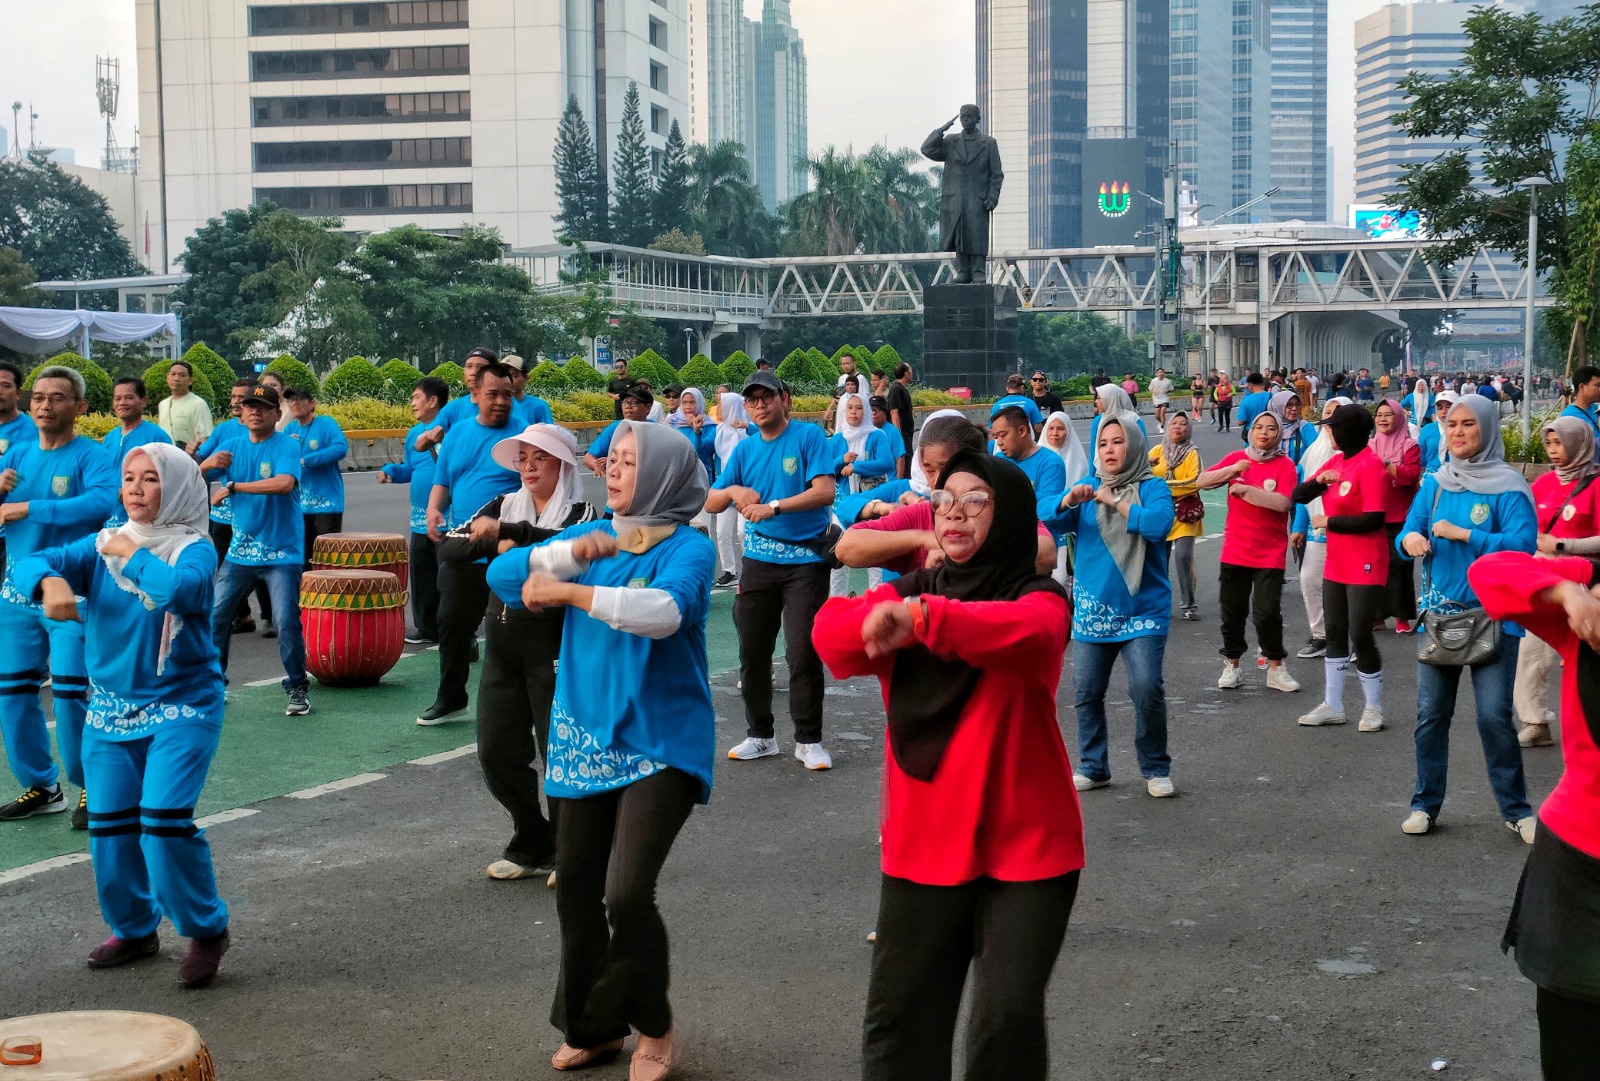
{"points": [[878, 202], [909, 206], [727, 205]]}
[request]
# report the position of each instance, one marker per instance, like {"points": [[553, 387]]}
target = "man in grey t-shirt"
{"points": [[1160, 395]]}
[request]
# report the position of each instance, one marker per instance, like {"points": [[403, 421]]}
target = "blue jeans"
{"points": [[234, 582], [1091, 675], [1492, 685]]}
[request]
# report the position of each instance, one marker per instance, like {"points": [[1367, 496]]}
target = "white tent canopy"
{"points": [[45, 330]]}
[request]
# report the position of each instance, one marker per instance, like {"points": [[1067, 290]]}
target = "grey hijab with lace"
{"points": [[1126, 548]]}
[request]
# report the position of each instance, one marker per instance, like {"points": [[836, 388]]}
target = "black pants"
{"points": [[514, 693], [1399, 593], [1007, 933], [1350, 612], [221, 537], [425, 586], [1566, 1036], [1225, 416], [320, 525], [787, 595], [464, 594], [1258, 593], [614, 952]]}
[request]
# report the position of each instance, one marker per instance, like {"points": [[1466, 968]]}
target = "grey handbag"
{"points": [[1457, 637]]}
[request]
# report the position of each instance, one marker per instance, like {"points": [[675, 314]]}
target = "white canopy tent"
{"points": [[46, 330]]}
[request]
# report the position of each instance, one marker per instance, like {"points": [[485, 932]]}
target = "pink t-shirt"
{"points": [[1131, 387], [917, 516], [1253, 536], [1356, 559]]}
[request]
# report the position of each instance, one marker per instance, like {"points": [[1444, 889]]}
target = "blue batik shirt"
{"points": [[69, 491], [779, 469], [322, 447]]}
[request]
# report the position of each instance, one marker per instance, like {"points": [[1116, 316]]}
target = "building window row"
{"points": [[359, 63], [372, 199], [362, 109], [362, 154], [334, 18]]}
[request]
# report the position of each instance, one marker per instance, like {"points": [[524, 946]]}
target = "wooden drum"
{"points": [[103, 1045], [354, 625], [363, 551]]}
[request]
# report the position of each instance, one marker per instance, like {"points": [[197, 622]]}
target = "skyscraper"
{"points": [[1299, 131], [1398, 39], [1221, 101], [722, 72], [779, 127]]}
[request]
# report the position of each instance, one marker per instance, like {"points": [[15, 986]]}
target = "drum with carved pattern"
{"points": [[102, 1045], [363, 551], [354, 624]]}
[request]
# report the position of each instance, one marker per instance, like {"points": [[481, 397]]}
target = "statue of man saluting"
{"points": [[971, 191]]}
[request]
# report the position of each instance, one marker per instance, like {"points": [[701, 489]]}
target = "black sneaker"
{"points": [[1315, 647], [299, 702], [244, 626], [268, 630], [116, 951], [727, 581], [442, 713], [80, 813], [35, 801]]}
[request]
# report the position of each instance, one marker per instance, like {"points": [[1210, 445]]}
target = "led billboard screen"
{"points": [[1113, 209], [1384, 223]]}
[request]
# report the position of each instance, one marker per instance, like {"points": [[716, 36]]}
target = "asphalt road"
{"points": [[368, 944]]}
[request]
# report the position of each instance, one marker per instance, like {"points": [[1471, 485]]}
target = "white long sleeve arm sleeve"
{"points": [[649, 613], [556, 560]]}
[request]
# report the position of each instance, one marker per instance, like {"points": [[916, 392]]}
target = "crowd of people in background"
{"points": [[989, 548]]}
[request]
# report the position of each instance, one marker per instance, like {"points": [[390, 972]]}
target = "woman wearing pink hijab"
{"points": [[1402, 461]]}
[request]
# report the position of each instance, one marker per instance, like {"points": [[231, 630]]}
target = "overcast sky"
{"points": [[880, 70]]}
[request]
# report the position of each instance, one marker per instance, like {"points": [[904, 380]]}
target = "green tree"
{"points": [[399, 379], [651, 367], [634, 333], [300, 277], [155, 385], [632, 186], [454, 377], [793, 368], [16, 282], [294, 373], [96, 380], [727, 208], [673, 192], [580, 186], [357, 377], [219, 373], [1063, 345], [219, 257], [700, 372], [60, 227], [885, 359], [878, 202], [737, 368], [548, 380], [679, 242], [581, 375]]}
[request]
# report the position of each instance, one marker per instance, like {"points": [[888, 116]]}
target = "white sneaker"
{"points": [[753, 748], [1371, 720], [1279, 679], [1524, 828], [1230, 677], [1160, 787], [1417, 823], [1083, 784], [1323, 714], [812, 755]]}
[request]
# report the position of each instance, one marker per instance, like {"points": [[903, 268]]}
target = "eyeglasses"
{"points": [[972, 504], [53, 399]]}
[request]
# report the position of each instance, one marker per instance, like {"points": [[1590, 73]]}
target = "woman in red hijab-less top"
{"points": [[982, 835], [1555, 920]]}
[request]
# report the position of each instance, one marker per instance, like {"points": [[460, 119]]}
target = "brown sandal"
{"points": [[649, 1067], [576, 1058]]}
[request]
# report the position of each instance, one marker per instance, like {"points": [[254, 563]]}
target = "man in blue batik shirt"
{"points": [[427, 398], [322, 448], [128, 401], [260, 474], [15, 424]]}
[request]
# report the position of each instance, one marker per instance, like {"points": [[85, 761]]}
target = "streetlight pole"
{"points": [[688, 344], [1533, 184], [1207, 337], [176, 308]]}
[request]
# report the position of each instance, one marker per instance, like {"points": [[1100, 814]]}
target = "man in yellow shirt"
{"points": [[185, 416]]}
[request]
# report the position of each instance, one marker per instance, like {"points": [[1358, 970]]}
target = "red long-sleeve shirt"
{"points": [[1403, 485], [1002, 803], [1506, 583]]}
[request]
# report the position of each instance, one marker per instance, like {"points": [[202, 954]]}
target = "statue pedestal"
{"points": [[969, 336]]}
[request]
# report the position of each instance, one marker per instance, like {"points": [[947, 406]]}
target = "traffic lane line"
{"points": [[335, 786]]}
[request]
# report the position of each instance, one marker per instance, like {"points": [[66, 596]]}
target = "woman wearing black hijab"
{"points": [[982, 835]]}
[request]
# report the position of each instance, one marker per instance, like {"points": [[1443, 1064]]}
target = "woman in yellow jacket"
{"points": [[1177, 461]]}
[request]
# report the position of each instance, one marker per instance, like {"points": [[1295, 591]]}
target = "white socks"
{"points": [[1372, 688], [1333, 670]]}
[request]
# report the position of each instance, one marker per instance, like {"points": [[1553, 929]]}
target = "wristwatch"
{"points": [[776, 510], [229, 487], [1561, 546]]}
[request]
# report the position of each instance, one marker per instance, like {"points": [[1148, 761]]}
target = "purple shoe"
{"points": [[116, 951], [200, 964]]}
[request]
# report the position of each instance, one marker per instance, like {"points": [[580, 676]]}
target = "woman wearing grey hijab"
{"points": [[1121, 598], [631, 735], [1474, 504]]}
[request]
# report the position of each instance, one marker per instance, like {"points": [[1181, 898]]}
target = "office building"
{"points": [[1221, 97], [1299, 110], [1076, 94], [722, 64], [778, 129], [433, 112], [1399, 39]]}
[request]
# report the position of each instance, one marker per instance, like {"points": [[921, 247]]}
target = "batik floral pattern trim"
{"points": [[1094, 619], [120, 716], [579, 762], [253, 553]]}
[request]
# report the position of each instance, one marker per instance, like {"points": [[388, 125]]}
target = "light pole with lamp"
{"points": [[1206, 338], [176, 308], [1533, 184], [688, 344]]}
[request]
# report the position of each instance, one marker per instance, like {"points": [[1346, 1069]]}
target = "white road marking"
{"points": [[444, 756], [265, 682], [17, 874], [225, 816], [336, 786]]}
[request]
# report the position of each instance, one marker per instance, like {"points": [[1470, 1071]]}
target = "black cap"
{"points": [[764, 380], [262, 394], [638, 394]]}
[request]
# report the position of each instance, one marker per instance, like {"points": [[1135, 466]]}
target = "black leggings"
{"points": [[514, 695], [1256, 592], [1007, 933], [1350, 612], [609, 852], [1566, 1036], [1399, 594], [1225, 415]]}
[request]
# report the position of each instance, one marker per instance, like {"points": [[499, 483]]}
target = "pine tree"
{"points": [[632, 184], [578, 184], [672, 189]]}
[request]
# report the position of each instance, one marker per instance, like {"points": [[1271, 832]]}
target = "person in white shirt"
{"points": [[1160, 395], [183, 415]]}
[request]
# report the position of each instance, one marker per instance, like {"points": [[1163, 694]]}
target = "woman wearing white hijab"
{"points": [[733, 425], [1059, 437], [862, 460], [155, 706], [1110, 400], [1312, 544], [519, 661]]}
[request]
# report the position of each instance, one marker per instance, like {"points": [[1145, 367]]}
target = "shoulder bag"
{"points": [[1187, 509], [1454, 636]]}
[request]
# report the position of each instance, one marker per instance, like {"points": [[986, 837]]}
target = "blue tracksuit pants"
{"points": [[33, 645], [150, 859]]}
